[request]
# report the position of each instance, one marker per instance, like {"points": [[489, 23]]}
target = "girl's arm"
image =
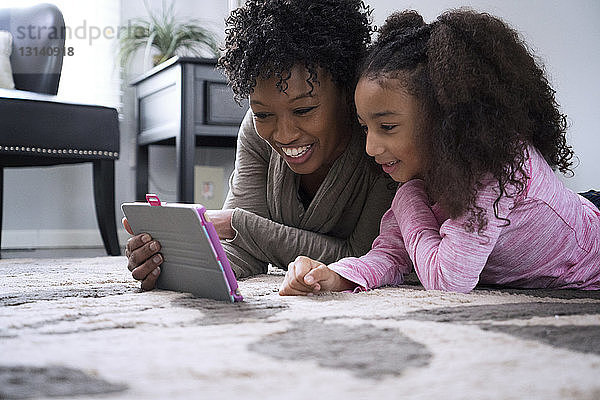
{"points": [[384, 264], [446, 257], [259, 240]]}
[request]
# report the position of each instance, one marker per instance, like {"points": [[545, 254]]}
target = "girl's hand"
{"points": [[143, 257], [306, 276], [221, 219]]}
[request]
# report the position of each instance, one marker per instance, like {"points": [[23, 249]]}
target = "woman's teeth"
{"points": [[391, 163], [295, 151]]}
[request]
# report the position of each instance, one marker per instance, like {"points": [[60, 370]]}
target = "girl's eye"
{"points": [[364, 128], [387, 127], [304, 110]]}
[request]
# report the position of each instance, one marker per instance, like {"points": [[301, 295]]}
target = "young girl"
{"points": [[459, 113]]}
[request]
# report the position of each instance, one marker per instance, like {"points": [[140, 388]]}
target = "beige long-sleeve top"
{"points": [[273, 226]]}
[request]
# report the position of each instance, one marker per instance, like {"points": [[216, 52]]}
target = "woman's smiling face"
{"points": [[388, 115], [307, 126]]}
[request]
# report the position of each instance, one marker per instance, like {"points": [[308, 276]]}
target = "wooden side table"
{"points": [[184, 102]]}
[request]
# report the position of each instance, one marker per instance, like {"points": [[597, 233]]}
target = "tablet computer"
{"points": [[193, 259]]}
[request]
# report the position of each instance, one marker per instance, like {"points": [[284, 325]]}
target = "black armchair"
{"points": [[38, 129]]}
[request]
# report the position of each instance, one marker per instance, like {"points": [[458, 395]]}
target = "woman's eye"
{"points": [[260, 115], [364, 128], [303, 110], [387, 127]]}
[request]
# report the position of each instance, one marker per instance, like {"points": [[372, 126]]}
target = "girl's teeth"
{"points": [[295, 151], [391, 163]]}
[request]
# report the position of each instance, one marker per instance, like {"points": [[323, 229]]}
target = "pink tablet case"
{"points": [[194, 260]]}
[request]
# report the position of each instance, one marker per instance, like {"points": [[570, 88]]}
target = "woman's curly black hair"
{"points": [[483, 100], [266, 38]]}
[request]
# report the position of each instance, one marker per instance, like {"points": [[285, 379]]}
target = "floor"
{"points": [[388, 343], [54, 253]]}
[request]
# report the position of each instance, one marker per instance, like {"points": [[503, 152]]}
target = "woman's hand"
{"points": [[306, 276], [143, 257], [221, 219]]}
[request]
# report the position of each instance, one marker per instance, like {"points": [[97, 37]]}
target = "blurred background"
{"points": [[55, 206]]}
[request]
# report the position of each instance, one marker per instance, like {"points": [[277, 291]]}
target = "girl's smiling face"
{"points": [[388, 115], [307, 126]]}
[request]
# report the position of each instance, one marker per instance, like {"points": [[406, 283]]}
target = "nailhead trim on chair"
{"points": [[60, 151]]}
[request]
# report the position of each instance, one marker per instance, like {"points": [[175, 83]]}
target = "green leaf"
{"points": [[168, 35]]}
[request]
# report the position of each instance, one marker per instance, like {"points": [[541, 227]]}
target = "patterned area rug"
{"points": [[82, 328]]}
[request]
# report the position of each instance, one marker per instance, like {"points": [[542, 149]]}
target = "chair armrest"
{"points": [[35, 72]]}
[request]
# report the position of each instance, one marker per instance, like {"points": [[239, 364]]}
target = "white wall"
{"points": [[54, 206], [566, 36], [162, 176]]}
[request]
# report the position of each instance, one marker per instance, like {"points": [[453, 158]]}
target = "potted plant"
{"points": [[167, 35]]}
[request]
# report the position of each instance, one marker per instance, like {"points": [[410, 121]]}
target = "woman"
{"points": [[302, 183]]}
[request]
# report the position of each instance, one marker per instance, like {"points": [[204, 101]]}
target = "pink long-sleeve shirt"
{"points": [[552, 241]]}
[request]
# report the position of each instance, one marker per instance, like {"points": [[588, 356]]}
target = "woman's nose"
{"points": [[286, 131]]}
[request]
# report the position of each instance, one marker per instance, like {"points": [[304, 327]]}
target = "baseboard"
{"points": [[54, 238]]}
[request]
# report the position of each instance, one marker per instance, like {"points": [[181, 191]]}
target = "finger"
{"points": [[150, 282], [302, 266], [296, 277], [141, 272], [327, 280], [298, 284], [293, 283], [320, 278], [141, 254], [127, 226], [138, 241], [287, 290], [290, 275]]}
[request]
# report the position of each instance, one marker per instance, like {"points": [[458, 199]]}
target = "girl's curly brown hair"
{"points": [[483, 100], [266, 38]]}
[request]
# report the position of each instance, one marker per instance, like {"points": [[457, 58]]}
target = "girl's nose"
{"points": [[374, 147]]}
